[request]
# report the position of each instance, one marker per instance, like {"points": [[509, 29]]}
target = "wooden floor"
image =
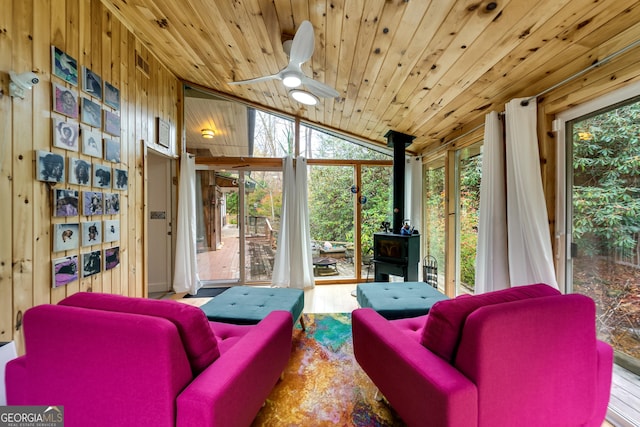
{"points": [[625, 394], [624, 405]]}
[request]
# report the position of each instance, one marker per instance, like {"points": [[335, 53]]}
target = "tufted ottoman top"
{"points": [[248, 305], [398, 300]]}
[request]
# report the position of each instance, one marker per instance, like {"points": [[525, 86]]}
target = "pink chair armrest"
{"points": [[16, 382], [232, 389], [603, 385], [422, 387]]}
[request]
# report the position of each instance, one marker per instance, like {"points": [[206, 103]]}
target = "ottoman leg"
{"points": [[302, 323]]}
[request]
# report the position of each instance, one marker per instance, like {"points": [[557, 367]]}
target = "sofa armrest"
{"points": [[423, 388], [15, 380], [231, 391], [603, 385]]}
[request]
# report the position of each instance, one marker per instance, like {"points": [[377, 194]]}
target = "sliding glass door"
{"points": [[218, 220], [263, 203], [603, 221]]}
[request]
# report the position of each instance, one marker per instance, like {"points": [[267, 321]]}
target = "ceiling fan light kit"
{"points": [[299, 51], [304, 97], [291, 80]]}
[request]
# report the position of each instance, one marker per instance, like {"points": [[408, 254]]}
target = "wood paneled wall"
{"points": [[87, 31]]}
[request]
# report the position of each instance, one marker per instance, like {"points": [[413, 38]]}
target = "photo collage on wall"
{"points": [[86, 154]]}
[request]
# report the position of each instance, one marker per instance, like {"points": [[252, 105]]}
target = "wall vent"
{"points": [[141, 64]]}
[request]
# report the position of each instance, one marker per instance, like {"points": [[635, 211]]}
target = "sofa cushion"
{"points": [[446, 319], [198, 339]]}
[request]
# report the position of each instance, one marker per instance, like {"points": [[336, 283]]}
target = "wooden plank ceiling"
{"points": [[431, 69]]}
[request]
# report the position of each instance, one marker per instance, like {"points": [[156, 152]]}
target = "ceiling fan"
{"points": [[299, 51]]}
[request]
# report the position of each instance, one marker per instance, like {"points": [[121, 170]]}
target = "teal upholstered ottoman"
{"points": [[248, 305], [397, 300]]}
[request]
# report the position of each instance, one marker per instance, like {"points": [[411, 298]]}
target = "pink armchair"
{"points": [[525, 356], [118, 361]]}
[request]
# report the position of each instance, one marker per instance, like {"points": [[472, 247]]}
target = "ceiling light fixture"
{"points": [[304, 97], [291, 80], [208, 133]]}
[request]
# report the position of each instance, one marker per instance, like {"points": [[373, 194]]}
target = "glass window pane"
{"points": [[238, 130], [316, 144], [435, 217], [331, 220], [605, 205], [274, 135], [469, 167], [217, 226], [263, 198], [376, 202]]}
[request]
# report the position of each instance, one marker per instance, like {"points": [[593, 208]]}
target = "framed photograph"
{"points": [[65, 237], [65, 134], [65, 202], [91, 83], [65, 270], [162, 132], [91, 142], [111, 123], [91, 232], [121, 181], [101, 176], [112, 150], [91, 112], [111, 96], [79, 172], [64, 66], [49, 166], [111, 203], [91, 263], [65, 101], [92, 203], [111, 230], [111, 258]]}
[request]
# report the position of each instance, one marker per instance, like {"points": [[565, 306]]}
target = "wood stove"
{"points": [[395, 253]]}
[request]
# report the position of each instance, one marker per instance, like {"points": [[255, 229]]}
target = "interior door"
{"points": [[160, 211]]}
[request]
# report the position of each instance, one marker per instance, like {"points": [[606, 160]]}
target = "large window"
{"points": [[239, 185], [238, 130], [468, 176], [349, 187], [434, 218], [603, 224]]}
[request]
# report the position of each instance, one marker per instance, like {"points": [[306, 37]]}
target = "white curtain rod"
{"points": [[597, 64], [525, 102]]}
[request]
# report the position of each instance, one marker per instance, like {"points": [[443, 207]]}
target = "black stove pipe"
{"points": [[399, 141]]}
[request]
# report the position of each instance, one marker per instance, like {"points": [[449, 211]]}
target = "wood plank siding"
{"points": [[87, 31]]}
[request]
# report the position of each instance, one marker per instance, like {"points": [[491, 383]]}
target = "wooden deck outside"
{"points": [[624, 405], [222, 264]]}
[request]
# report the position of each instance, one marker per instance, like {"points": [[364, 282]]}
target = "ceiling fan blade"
{"points": [[303, 44], [256, 80], [319, 89]]}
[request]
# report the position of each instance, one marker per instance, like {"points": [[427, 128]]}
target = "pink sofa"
{"points": [[525, 356], [119, 361]]}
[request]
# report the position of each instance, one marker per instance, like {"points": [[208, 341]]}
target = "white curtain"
{"points": [[530, 254], [492, 266], [293, 266], [186, 267], [413, 190]]}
